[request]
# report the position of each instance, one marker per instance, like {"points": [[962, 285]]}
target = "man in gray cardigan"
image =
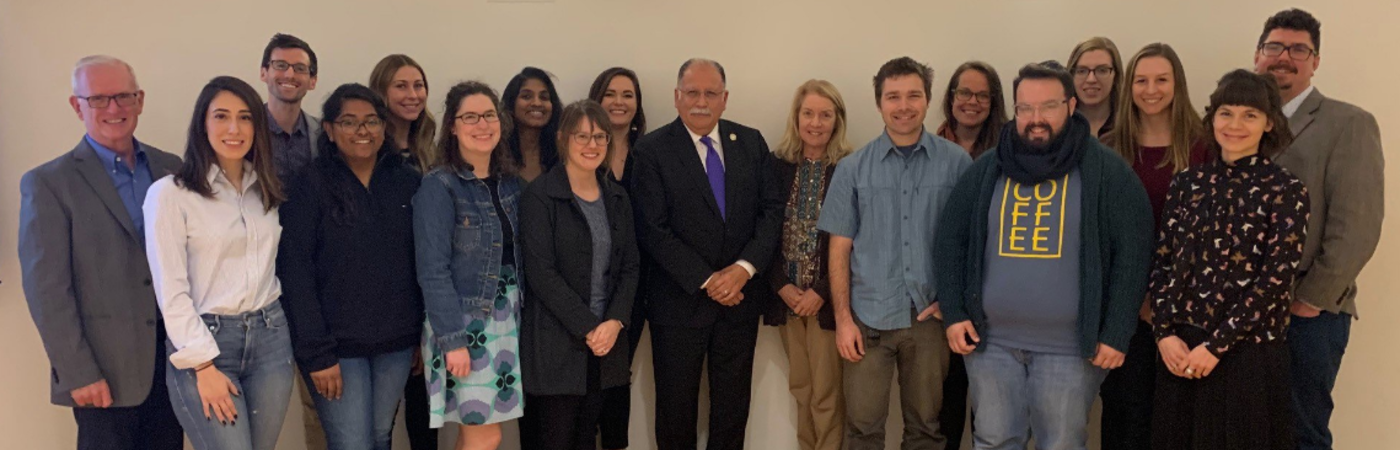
{"points": [[1336, 151], [86, 280]]}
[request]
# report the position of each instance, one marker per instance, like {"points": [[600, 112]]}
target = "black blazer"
{"points": [[680, 228], [776, 311], [557, 248]]}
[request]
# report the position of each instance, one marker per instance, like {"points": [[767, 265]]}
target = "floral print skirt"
{"points": [[491, 393]]}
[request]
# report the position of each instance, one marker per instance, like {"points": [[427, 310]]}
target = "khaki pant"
{"points": [[815, 381], [919, 355], [315, 436]]}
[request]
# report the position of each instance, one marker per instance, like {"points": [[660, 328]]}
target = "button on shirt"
{"points": [[131, 182], [209, 256], [888, 203]]}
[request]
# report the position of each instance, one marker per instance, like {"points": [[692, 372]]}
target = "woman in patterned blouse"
{"points": [[815, 140], [1228, 251]]}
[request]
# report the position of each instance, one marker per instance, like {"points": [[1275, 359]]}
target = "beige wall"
{"points": [[768, 47]]}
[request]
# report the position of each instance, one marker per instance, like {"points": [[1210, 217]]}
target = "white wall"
{"points": [[768, 48]]}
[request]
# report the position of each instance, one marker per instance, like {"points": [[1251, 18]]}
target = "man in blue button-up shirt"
{"points": [[881, 210]]}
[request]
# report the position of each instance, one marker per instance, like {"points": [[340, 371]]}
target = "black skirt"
{"points": [[1244, 404]]}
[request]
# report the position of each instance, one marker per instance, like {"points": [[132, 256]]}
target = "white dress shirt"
{"points": [[209, 256], [703, 152], [1293, 105]]}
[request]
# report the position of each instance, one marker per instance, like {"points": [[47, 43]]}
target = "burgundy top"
{"points": [[1158, 180]]}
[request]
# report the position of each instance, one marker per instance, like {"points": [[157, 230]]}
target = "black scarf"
{"points": [[1027, 164]]}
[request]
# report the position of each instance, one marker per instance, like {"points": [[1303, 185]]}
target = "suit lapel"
{"points": [[96, 177], [734, 166], [1304, 115], [691, 168]]}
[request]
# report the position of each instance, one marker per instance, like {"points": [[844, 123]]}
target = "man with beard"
{"points": [[289, 69], [1336, 152], [1043, 254], [881, 210]]}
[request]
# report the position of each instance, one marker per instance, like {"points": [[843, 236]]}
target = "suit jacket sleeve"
{"points": [[769, 223], [45, 254], [654, 232], [1355, 196]]}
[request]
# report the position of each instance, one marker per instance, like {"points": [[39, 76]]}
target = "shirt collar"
{"points": [[298, 130], [108, 157], [714, 136], [216, 176], [1293, 105], [921, 147]]}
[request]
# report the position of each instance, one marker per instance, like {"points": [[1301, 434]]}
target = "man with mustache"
{"points": [[881, 210], [709, 212], [289, 69], [1336, 152], [1042, 256], [82, 254]]}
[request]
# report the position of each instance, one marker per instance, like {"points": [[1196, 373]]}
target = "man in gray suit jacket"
{"points": [[84, 265], [1336, 152]]}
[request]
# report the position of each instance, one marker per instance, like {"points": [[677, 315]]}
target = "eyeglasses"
{"points": [[966, 94], [373, 125], [125, 99], [473, 118], [694, 94], [1299, 52], [1028, 111], [584, 138], [1099, 72], [278, 65]]}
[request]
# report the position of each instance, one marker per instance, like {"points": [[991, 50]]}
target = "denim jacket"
{"points": [[457, 238]]}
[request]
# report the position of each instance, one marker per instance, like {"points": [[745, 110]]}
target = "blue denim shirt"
{"points": [[131, 184], [457, 237], [888, 204]]}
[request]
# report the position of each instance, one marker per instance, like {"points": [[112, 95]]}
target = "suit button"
{"points": [[147, 281]]}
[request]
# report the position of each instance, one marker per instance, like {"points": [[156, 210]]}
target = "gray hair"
{"points": [[100, 60], [684, 66]]}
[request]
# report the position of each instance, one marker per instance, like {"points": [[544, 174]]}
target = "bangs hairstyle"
{"points": [[1244, 88], [790, 148], [449, 155], [549, 152], [996, 112], [1186, 126], [199, 154], [569, 121], [600, 88], [420, 131]]}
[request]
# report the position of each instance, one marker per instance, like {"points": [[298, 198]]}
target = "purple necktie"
{"points": [[714, 170]]}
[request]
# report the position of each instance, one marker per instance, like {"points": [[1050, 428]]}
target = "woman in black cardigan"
{"points": [[581, 265]]}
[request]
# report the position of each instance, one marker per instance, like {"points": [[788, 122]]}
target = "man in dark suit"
{"points": [[708, 212], [1336, 152], [85, 275]]}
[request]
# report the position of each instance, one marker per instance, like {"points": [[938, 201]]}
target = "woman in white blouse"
{"points": [[211, 239]]}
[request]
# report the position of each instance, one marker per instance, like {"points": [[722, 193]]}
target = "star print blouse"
{"points": [[1228, 251]]}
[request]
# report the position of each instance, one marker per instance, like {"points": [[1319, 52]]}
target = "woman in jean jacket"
{"points": [[464, 224]]}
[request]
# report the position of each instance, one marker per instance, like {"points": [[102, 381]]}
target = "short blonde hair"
{"points": [[790, 149], [100, 60]]}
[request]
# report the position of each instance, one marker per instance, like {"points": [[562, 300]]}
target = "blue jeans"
{"points": [[1018, 393], [363, 417], [1317, 345], [255, 353]]}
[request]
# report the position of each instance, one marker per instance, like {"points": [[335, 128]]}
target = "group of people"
{"points": [[1102, 239]]}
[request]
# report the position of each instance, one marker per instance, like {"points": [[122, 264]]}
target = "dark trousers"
{"points": [[1241, 405], [617, 402], [152, 425], [1317, 345], [679, 355], [415, 414], [952, 418], [1127, 395]]}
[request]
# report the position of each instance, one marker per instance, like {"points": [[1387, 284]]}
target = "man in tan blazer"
{"points": [[1336, 151]]}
